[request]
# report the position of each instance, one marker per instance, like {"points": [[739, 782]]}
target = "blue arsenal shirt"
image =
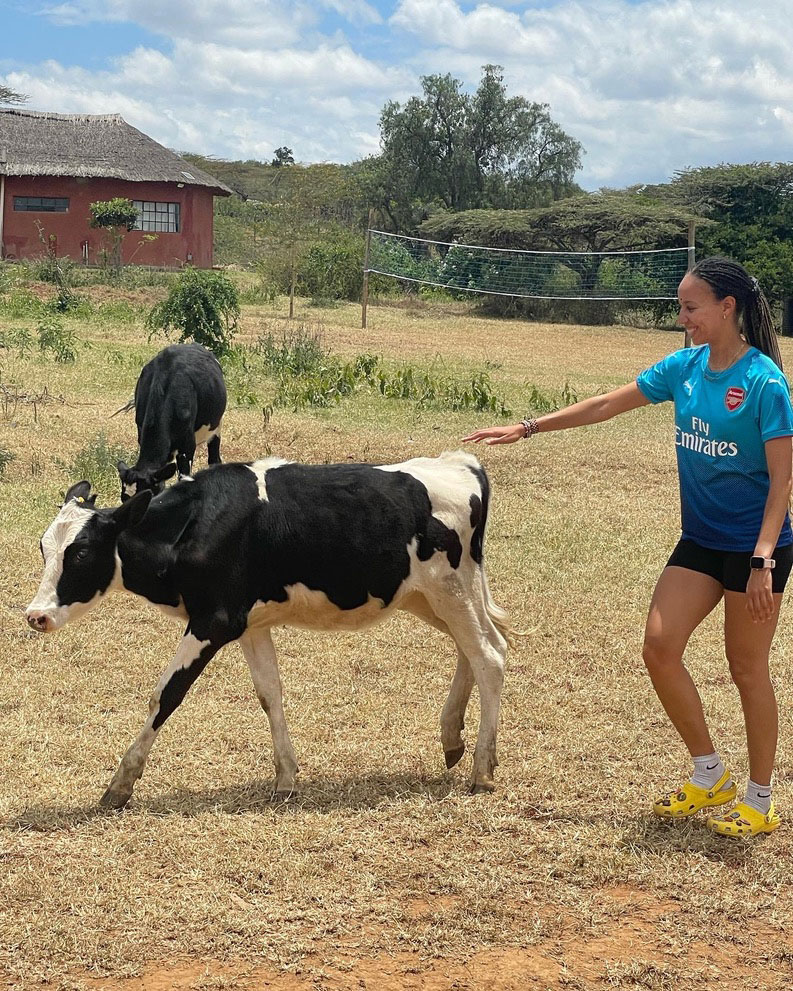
{"points": [[722, 421]]}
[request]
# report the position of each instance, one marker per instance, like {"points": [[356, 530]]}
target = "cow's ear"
{"points": [[164, 473], [123, 468], [131, 512], [79, 492]]}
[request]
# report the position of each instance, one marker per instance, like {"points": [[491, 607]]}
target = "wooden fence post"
{"points": [[365, 288]]}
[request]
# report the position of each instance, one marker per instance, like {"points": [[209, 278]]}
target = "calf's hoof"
{"points": [[482, 788], [114, 799], [454, 756], [283, 794]]}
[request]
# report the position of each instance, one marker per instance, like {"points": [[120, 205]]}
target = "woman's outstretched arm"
{"points": [[594, 410]]}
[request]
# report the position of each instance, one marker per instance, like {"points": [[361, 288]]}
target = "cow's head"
{"points": [[135, 480], [80, 560]]}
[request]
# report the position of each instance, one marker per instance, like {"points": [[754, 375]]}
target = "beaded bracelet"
{"points": [[530, 427]]}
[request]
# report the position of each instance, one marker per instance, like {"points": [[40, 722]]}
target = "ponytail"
{"points": [[728, 278]]}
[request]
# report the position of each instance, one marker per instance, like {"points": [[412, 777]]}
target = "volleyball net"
{"points": [[607, 275]]}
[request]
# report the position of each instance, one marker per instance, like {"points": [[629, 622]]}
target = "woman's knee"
{"points": [[747, 673], [659, 654]]}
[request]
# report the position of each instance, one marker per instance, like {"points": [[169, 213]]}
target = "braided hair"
{"points": [[728, 278]]}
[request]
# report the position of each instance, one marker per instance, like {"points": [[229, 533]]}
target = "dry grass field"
{"points": [[383, 873]]}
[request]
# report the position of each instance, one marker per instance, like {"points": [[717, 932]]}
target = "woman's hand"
{"points": [[498, 435], [759, 596]]}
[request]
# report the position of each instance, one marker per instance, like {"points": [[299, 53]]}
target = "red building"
{"points": [[53, 166]]}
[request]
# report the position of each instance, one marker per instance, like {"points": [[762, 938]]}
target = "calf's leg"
{"points": [[257, 646], [462, 608], [191, 657], [453, 714], [213, 450]]}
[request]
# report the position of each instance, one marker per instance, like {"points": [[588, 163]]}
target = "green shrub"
{"points": [[333, 267], [97, 462], [326, 384], [18, 339], [239, 373], [297, 351], [54, 339], [203, 306]]}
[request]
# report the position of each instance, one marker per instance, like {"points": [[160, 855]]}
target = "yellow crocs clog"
{"points": [[743, 820], [689, 799]]}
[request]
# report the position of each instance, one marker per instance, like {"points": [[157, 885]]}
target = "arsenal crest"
{"points": [[734, 397]]}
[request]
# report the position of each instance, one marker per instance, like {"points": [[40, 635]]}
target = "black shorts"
{"points": [[730, 568]]}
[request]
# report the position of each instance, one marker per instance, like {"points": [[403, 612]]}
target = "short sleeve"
{"points": [[776, 414], [656, 383]]}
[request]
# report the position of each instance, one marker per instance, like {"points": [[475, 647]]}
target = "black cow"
{"points": [[180, 399], [244, 547]]}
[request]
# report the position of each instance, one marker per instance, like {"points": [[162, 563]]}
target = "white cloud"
{"points": [[648, 87]]}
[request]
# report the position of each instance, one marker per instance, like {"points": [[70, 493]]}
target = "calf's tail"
{"points": [[498, 616]]}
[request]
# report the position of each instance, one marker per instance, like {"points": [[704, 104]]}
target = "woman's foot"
{"points": [[690, 798], [743, 820]]}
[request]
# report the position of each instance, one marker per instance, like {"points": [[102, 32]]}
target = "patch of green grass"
{"points": [[540, 401], [6, 457], [97, 462]]}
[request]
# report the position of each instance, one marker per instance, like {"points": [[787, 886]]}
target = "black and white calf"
{"points": [[180, 399], [245, 547]]}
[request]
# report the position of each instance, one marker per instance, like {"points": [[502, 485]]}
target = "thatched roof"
{"points": [[90, 146]]}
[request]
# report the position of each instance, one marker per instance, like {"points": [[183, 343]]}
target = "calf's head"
{"points": [[135, 480], [79, 551]]}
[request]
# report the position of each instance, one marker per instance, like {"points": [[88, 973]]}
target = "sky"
{"points": [[648, 87]]}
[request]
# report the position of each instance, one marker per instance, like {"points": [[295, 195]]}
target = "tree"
{"points": [[283, 156], [116, 217], [467, 151], [203, 306], [597, 222], [751, 212], [10, 96]]}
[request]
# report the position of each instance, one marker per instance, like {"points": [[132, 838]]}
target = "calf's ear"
{"points": [[80, 492], [123, 468], [164, 473], [131, 512]]}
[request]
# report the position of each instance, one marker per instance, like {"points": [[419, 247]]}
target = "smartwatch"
{"points": [[758, 563]]}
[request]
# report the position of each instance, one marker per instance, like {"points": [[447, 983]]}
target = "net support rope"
{"points": [[651, 274]]}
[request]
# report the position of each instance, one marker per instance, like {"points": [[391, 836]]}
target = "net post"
{"points": [[692, 228], [292, 280], [365, 288]]}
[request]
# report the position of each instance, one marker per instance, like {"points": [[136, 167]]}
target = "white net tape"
{"points": [[640, 275]]}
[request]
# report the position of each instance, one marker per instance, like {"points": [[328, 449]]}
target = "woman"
{"points": [[733, 428]]}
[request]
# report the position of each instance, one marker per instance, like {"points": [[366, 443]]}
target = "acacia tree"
{"points": [[482, 150], [610, 220], [10, 96]]}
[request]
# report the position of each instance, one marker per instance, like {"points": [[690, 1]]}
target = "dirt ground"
{"points": [[626, 953]]}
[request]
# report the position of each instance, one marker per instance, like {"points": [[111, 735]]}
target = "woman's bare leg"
{"points": [[682, 599], [748, 645]]}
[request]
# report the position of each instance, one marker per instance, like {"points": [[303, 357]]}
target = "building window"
{"points": [[41, 204], [163, 217]]}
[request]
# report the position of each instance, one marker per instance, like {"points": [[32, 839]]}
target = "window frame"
{"points": [[150, 212], [56, 202]]}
